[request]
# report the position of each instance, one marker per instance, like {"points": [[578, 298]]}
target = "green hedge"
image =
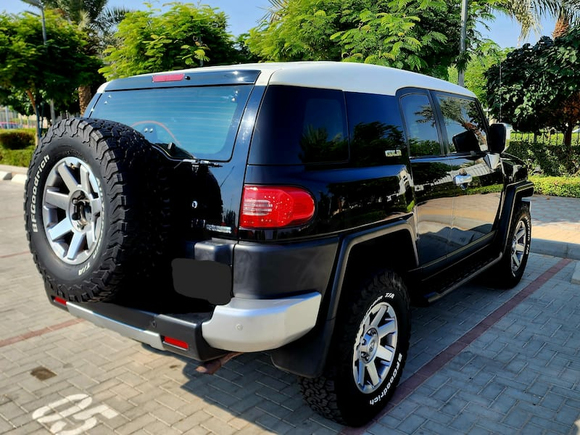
{"points": [[16, 139], [16, 157], [557, 186], [552, 160]]}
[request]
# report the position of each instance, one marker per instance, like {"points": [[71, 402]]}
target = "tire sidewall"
{"points": [[523, 216], [43, 164], [358, 407]]}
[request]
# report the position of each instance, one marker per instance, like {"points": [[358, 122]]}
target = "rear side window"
{"points": [[421, 126], [375, 128], [464, 124], [201, 121], [298, 126]]}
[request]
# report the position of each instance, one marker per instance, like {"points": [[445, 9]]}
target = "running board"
{"points": [[455, 285]]}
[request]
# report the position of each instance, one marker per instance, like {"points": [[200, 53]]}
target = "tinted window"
{"points": [[300, 126], [375, 128], [464, 124], [421, 126], [202, 121]]}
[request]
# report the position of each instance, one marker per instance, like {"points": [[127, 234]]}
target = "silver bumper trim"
{"points": [[251, 325], [147, 337]]}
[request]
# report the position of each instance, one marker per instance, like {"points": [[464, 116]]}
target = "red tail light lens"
{"points": [[60, 301], [275, 207], [160, 78], [175, 342]]}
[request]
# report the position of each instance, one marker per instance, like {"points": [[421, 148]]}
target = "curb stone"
{"points": [[19, 178], [576, 275], [556, 248]]}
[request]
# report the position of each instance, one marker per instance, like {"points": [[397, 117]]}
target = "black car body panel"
{"points": [[401, 178]]}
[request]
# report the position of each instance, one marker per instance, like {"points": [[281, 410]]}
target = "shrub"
{"points": [[551, 159], [16, 157], [16, 139], [557, 186]]}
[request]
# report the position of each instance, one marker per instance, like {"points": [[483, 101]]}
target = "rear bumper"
{"points": [[243, 325], [249, 325]]}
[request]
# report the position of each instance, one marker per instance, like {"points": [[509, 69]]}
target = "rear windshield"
{"points": [[201, 121]]}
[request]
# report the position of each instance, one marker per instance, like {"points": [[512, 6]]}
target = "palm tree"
{"points": [[99, 23], [528, 14]]}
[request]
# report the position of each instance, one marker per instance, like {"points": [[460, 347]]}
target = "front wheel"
{"points": [[369, 351], [509, 271]]}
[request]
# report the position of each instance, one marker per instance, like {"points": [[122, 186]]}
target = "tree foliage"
{"points": [[475, 79], [98, 23], [539, 86], [183, 37], [421, 35], [42, 72]]}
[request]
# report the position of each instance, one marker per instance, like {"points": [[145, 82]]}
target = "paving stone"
{"points": [[521, 375], [411, 423]]}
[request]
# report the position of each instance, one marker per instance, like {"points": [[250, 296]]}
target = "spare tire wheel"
{"points": [[94, 227]]}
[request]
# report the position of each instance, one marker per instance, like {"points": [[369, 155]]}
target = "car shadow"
{"points": [[249, 390]]}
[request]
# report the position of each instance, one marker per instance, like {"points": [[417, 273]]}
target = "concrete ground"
{"points": [[481, 360]]}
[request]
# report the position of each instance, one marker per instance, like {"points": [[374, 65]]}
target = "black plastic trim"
{"points": [[307, 356], [184, 327]]}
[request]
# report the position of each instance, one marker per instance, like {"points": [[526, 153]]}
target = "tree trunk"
{"points": [[85, 96], [568, 137], [33, 102], [568, 155]]}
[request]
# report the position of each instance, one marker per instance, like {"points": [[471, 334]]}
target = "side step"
{"points": [[462, 279]]}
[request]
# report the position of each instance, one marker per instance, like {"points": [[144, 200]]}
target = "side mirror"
{"points": [[496, 139]]}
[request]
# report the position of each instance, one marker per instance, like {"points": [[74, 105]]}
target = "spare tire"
{"points": [[96, 218]]}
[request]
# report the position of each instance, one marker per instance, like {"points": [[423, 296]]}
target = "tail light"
{"points": [[161, 78], [176, 343], [60, 301], [275, 207]]}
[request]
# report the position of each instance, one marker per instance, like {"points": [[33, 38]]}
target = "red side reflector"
{"points": [[159, 78], [175, 342], [60, 301], [275, 207]]}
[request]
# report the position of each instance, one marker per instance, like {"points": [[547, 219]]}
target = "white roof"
{"points": [[346, 76]]}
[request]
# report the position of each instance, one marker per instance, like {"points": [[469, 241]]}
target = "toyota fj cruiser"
{"points": [[292, 208]]}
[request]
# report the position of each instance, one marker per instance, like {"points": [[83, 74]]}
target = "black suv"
{"points": [[291, 208]]}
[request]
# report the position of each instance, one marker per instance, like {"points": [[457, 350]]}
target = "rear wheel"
{"points": [[369, 352]]}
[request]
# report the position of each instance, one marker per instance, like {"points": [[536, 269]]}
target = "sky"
{"points": [[245, 14]]}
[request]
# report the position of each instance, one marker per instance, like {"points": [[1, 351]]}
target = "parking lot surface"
{"points": [[481, 361]]}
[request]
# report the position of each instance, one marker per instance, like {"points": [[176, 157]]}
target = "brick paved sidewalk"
{"points": [[556, 226], [481, 361]]}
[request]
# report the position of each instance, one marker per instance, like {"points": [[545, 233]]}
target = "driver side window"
{"points": [[464, 124]]}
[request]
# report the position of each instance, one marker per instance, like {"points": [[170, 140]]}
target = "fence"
{"points": [[546, 137], [9, 119], [546, 154]]}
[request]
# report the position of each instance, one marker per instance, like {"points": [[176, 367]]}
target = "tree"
{"points": [[183, 37], [42, 72], [528, 13], [409, 34], [475, 70], [98, 23], [539, 86]]}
